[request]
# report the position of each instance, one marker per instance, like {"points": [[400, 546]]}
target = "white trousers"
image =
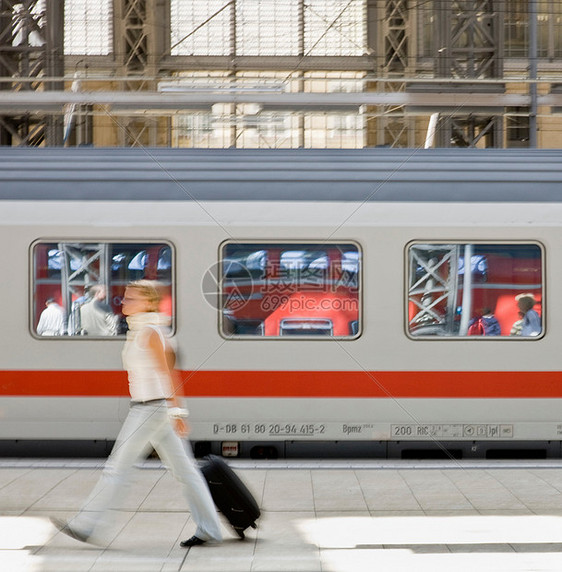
{"points": [[147, 425]]}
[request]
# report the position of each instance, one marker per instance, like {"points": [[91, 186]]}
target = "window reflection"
{"points": [[502, 295], [78, 286], [290, 289]]}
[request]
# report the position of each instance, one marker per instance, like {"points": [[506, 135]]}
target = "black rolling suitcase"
{"points": [[230, 494]]}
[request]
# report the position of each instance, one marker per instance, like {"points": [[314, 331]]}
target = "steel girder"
{"points": [[31, 48], [470, 46]]}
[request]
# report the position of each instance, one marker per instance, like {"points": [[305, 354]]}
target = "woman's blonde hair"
{"points": [[149, 289]]}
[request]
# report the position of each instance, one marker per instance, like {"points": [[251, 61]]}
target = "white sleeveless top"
{"points": [[146, 380]]}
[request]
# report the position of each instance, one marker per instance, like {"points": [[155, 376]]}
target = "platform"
{"points": [[334, 516]]}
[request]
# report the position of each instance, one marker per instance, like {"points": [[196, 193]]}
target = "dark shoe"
{"points": [[193, 541], [65, 528]]}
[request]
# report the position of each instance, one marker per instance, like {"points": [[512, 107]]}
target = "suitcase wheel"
{"points": [[240, 533], [254, 525]]}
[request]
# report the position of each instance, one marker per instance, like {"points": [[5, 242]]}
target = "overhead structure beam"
{"points": [[533, 55], [469, 46], [455, 103], [31, 47], [141, 40], [470, 36], [7, 130], [54, 65], [395, 44]]}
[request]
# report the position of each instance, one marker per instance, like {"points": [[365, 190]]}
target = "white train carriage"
{"points": [[324, 302]]}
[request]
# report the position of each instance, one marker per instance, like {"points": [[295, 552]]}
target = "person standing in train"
{"points": [[96, 317], [155, 419], [531, 324], [51, 321]]}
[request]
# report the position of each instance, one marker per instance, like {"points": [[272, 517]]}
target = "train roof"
{"points": [[362, 175]]}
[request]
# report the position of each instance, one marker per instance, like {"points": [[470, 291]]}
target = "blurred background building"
{"points": [[281, 73]]}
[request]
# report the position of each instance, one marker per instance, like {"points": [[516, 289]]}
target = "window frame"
{"points": [[296, 242], [118, 337], [473, 338]]}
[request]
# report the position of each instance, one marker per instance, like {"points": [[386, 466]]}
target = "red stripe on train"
{"points": [[395, 384]]}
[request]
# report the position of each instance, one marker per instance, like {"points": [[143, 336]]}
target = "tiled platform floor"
{"points": [[317, 516]]}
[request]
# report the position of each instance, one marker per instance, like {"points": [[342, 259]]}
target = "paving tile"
{"points": [[119, 520], [141, 486], [537, 548], [282, 544], [288, 490], [419, 548], [282, 531], [62, 561], [483, 491], [232, 554], [70, 492], [386, 490], [552, 477], [483, 547], [380, 519], [255, 481], [337, 490], [217, 562], [288, 563], [434, 490], [530, 489], [9, 475], [151, 533], [165, 494], [403, 559], [30, 488]]}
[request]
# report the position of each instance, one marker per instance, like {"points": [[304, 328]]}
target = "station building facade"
{"points": [[297, 73]]}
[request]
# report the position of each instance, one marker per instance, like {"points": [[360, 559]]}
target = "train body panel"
{"points": [[302, 419], [383, 246], [400, 366]]}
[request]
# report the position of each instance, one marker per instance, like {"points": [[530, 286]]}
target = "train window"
{"points": [[78, 286], [475, 290], [290, 289]]}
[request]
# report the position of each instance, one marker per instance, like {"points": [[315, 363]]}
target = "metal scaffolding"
{"points": [[470, 46], [141, 39], [31, 48], [460, 74], [393, 38], [83, 265], [433, 288]]}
